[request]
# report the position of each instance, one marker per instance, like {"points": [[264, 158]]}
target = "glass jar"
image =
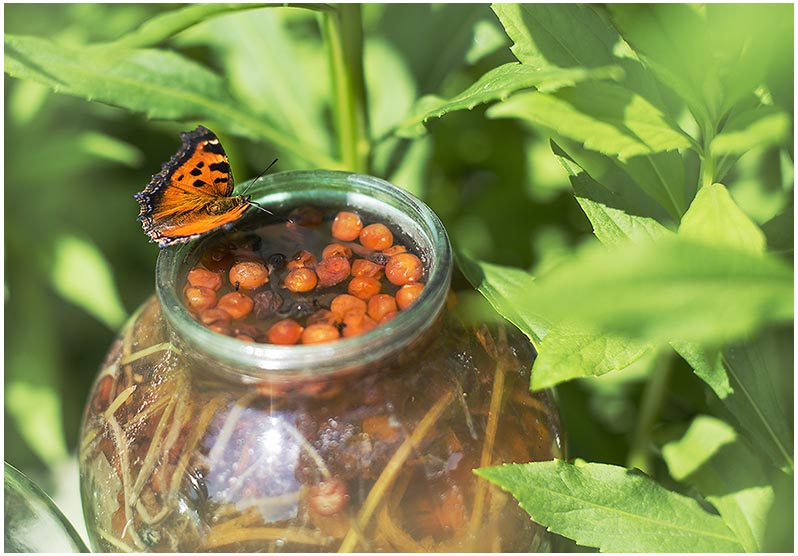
{"points": [[32, 521], [196, 441]]}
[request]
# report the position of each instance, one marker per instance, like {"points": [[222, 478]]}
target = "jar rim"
{"points": [[258, 361]]}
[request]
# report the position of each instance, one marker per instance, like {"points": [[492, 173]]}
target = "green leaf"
{"points": [[714, 218], [564, 35], [673, 288], [611, 508], [605, 118], [165, 25], [82, 275], [707, 364], [612, 226], [763, 126], [759, 370], [661, 175], [498, 84], [565, 351], [672, 39], [290, 91], [33, 367], [568, 352], [158, 83], [711, 458], [502, 286]]}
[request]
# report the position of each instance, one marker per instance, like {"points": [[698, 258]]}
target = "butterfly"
{"points": [[192, 195]]}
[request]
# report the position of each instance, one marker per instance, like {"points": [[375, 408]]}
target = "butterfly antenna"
{"points": [[261, 174]]}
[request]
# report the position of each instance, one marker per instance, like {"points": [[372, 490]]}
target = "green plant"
{"points": [[672, 123]]}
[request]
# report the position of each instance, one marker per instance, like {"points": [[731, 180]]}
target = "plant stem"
{"points": [[344, 36], [653, 399]]}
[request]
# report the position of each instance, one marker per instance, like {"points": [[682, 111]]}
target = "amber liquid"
{"points": [[176, 458]]}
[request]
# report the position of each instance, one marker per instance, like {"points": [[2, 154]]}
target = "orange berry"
{"points": [[365, 267], [199, 298], [301, 280], [323, 316], [356, 323], [407, 294], [346, 226], [332, 270], [303, 259], [376, 237], [217, 317], [285, 332], [205, 278], [364, 287], [336, 250], [244, 337], [249, 275], [236, 304], [328, 497], [345, 303], [403, 268], [319, 333], [394, 250], [381, 304]]}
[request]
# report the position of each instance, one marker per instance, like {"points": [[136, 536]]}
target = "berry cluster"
{"points": [[344, 279]]}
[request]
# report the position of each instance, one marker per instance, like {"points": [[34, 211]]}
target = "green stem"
{"points": [[344, 36], [707, 176], [654, 396]]}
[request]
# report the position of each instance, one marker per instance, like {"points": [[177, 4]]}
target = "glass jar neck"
{"points": [[280, 193]]}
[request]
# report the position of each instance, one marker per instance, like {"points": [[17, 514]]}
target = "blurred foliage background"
{"points": [[77, 262]]}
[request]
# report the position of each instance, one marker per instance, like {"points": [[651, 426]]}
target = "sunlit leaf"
{"points": [[605, 118], [611, 225], [669, 289], [81, 275], [722, 468], [762, 127], [612, 508], [714, 218], [564, 35], [499, 83], [158, 83], [568, 352]]}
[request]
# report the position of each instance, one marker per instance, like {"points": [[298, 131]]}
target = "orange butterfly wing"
{"points": [[192, 194]]}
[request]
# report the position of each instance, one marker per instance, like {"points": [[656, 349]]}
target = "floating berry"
{"points": [[205, 278], [301, 280], [407, 295], [364, 267], [324, 316], [199, 298], [336, 250], [364, 287], [248, 275], [319, 333], [403, 268], [381, 304], [332, 270], [236, 304], [285, 332], [346, 226], [356, 323], [345, 303], [376, 237]]}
